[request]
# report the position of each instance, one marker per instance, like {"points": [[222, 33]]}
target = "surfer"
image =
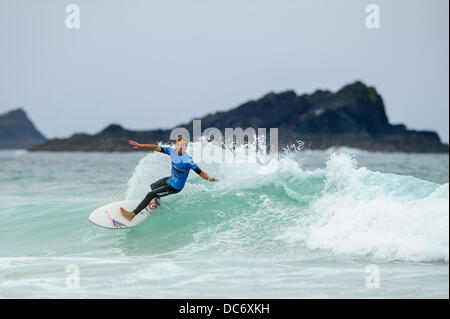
{"points": [[182, 163]]}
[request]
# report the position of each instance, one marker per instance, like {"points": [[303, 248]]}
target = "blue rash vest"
{"points": [[181, 165]]}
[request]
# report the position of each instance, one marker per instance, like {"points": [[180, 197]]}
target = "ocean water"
{"points": [[340, 223]]}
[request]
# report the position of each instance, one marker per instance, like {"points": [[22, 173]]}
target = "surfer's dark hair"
{"points": [[181, 138]]}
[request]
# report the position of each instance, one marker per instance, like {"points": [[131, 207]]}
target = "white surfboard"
{"points": [[109, 216]]}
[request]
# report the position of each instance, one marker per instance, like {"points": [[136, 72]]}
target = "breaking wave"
{"points": [[340, 211]]}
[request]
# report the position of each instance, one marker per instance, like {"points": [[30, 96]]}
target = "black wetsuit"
{"points": [[159, 188]]}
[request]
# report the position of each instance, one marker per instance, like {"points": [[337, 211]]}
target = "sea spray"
{"points": [[342, 210], [361, 213], [304, 226]]}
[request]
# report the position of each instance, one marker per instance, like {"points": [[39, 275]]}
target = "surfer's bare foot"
{"points": [[128, 215]]}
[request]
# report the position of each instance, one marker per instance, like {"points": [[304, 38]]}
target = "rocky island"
{"points": [[18, 132], [354, 116]]}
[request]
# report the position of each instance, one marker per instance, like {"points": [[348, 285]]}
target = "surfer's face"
{"points": [[180, 147]]}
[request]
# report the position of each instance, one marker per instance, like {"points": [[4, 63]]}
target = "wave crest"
{"points": [[342, 210]]}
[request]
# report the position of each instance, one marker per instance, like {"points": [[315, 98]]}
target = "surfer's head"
{"points": [[181, 145]]}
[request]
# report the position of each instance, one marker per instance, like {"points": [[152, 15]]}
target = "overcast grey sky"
{"points": [[150, 64]]}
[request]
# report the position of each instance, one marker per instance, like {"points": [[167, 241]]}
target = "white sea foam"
{"points": [[385, 216], [350, 211]]}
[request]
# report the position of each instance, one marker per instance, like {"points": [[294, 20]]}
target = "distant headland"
{"points": [[18, 132], [354, 116]]}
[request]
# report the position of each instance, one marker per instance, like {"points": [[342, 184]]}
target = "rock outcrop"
{"points": [[354, 116], [18, 132]]}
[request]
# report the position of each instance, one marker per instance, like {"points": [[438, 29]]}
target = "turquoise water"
{"points": [[307, 225]]}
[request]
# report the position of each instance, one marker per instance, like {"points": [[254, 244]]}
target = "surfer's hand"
{"points": [[135, 144], [213, 179]]}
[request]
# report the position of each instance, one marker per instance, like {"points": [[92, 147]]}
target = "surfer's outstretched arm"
{"points": [[150, 147], [204, 175]]}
